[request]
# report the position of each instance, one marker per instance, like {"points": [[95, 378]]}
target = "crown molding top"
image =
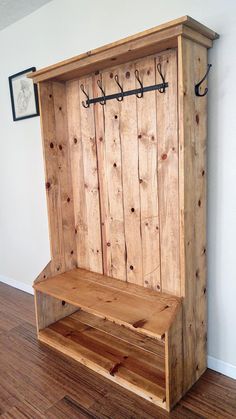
{"points": [[136, 46]]}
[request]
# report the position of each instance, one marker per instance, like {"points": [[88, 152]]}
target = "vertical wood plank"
{"points": [[91, 180], [64, 172], [200, 124], [52, 177], [192, 131], [77, 171], [174, 361], [49, 310], [167, 132], [110, 179], [187, 204], [130, 177], [147, 164]]}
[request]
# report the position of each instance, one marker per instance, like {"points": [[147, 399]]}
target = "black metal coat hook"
{"points": [[139, 95], [102, 102], [121, 97], [198, 85], [162, 78], [87, 103]]}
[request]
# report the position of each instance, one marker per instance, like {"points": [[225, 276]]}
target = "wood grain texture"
{"points": [[77, 173], [130, 175], [64, 172], [147, 173], [167, 124], [57, 387], [110, 180], [174, 361], [192, 170], [52, 177], [48, 310], [58, 178], [114, 358], [149, 312], [91, 187]]}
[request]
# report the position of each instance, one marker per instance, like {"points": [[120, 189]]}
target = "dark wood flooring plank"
{"points": [[68, 408], [23, 410]]}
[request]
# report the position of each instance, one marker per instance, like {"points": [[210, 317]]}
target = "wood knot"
{"points": [[68, 199], [100, 139], [75, 140], [203, 172], [158, 287], [164, 156], [114, 165], [96, 72], [131, 267], [51, 145], [63, 303], [199, 202], [197, 119], [132, 209], [139, 136], [48, 184], [108, 244], [111, 75], [116, 116], [60, 147], [139, 323], [72, 252], [127, 74], [60, 108]]}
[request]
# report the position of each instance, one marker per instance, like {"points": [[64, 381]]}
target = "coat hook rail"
{"points": [[198, 85], [120, 95]]}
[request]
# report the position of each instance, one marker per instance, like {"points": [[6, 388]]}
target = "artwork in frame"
{"points": [[24, 95]]}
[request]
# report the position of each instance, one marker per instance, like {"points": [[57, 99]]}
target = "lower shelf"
{"points": [[134, 361]]}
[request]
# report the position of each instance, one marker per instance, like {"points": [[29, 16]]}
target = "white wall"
{"points": [[64, 28]]}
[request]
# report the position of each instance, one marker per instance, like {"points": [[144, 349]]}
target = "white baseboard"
{"points": [[212, 363], [17, 284], [221, 366]]}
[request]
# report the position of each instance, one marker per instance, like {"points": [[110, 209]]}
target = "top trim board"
{"points": [[136, 46]]}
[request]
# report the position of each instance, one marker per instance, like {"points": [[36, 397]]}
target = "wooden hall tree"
{"points": [[124, 134]]}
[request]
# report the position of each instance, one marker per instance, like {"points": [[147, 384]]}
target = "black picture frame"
{"points": [[19, 104]]}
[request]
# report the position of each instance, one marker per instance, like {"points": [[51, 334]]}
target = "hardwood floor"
{"points": [[36, 382]]}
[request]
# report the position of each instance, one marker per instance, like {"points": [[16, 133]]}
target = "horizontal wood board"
{"points": [[136, 46], [114, 358], [144, 310]]}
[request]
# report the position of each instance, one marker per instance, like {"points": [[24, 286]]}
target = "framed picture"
{"points": [[24, 95]]}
